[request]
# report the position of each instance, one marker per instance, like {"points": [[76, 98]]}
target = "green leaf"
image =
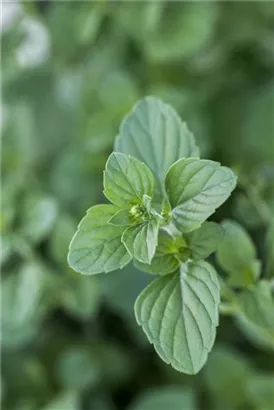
{"points": [[77, 368], [270, 250], [82, 296], [256, 314], [122, 218], [195, 188], [227, 388], [237, 255], [260, 389], [126, 180], [24, 304], [38, 217], [164, 260], [179, 314], [141, 240], [204, 240], [154, 133], [96, 247], [174, 398]]}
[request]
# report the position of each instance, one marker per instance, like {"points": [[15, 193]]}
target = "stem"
{"points": [[227, 308]]}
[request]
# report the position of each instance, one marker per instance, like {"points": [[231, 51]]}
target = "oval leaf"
{"points": [[141, 240], [204, 240], [154, 133], [195, 188], [96, 247], [164, 260], [179, 314], [126, 180]]}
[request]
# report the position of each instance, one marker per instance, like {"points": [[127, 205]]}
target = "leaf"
{"points": [[237, 255], [204, 240], [60, 237], [179, 314], [174, 398], [228, 390], [96, 247], [38, 217], [23, 304], [82, 296], [260, 389], [122, 218], [164, 260], [154, 133], [126, 180], [77, 368], [256, 314], [141, 240], [195, 188]]}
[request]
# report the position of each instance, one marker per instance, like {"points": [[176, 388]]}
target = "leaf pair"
{"points": [[171, 251], [110, 235]]}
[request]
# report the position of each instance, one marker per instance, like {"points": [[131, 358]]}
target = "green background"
{"points": [[70, 72]]}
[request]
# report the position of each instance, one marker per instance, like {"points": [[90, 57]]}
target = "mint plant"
{"points": [[161, 195]]}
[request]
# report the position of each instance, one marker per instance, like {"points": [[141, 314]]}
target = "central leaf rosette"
{"points": [[160, 200]]}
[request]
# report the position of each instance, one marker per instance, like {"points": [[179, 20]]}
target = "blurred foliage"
{"points": [[70, 72]]}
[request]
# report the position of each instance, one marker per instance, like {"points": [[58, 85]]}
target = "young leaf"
{"points": [[195, 188], [204, 240], [141, 240], [179, 314], [96, 247], [237, 255], [121, 218], [164, 260], [126, 180], [157, 127]]}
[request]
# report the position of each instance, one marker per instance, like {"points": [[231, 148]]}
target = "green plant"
{"points": [[158, 218]]}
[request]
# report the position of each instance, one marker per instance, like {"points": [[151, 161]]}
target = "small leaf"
{"points": [[236, 254], [179, 314], [164, 260], [163, 398], [126, 180], [204, 240], [141, 240], [121, 218], [154, 133], [195, 188], [256, 314], [96, 247]]}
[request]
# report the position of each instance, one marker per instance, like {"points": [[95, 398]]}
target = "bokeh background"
{"points": [[70, 72]]}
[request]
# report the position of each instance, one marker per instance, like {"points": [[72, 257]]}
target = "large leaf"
{"points": [[154, 133], [141, 240], [195, 188], [236, 254], [126, 180], [164, 260], [163, 398], [179, 314], [96, 247], [256, 314], [204, 240]]}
